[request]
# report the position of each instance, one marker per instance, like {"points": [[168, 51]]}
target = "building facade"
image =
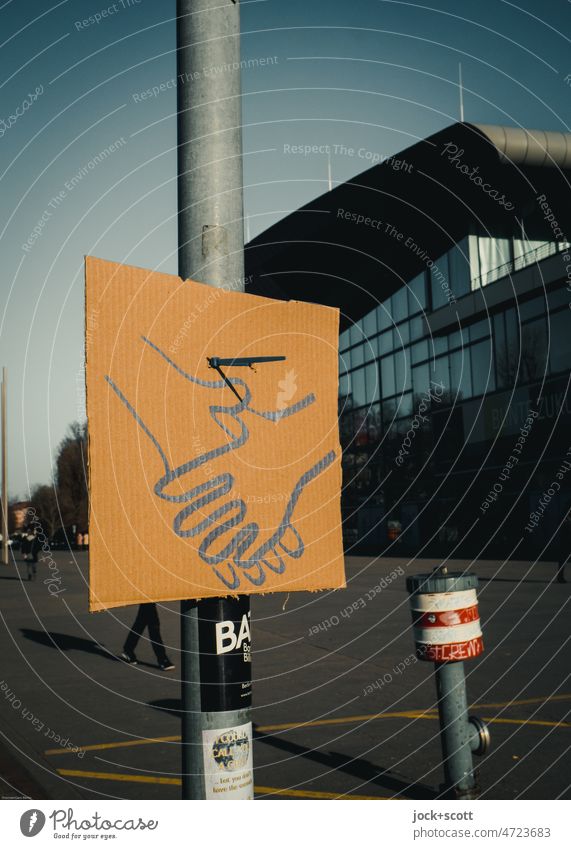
{"points": [[453, 277]]}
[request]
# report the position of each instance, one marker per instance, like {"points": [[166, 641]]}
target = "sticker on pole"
{"points": [[228, 770], [214, 456]]}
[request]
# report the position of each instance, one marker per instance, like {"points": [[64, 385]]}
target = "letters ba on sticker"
{"points": [[195, 492]]}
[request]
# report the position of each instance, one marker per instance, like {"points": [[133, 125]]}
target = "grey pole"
{"points": [[4, 468], [211, 250]]}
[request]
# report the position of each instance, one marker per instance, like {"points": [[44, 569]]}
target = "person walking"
{"points": [[147, 617], [564, 539]]}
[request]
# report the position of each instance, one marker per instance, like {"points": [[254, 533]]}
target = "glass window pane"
{"points": [[440, 344], [387, 376], [416, 328], [386, 342], [355, 334], [358, 385], [439, 372], [494, 254], [439, 282], [460, 376], [534, 350], [402, 370], [483, 376], [370, 324], [404, 405], [344, 340], [419, 351], [455, 340], [357, 356], [384, 318], [417, 293], [479, 330], [402, 334], [372, 383], [459, 269], [399, 304], [560, 341], [420, 380], [371, 348]]}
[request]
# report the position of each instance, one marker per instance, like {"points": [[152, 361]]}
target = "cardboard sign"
{"points": [[193, 492]]}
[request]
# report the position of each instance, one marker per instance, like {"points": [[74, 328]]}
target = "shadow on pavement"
{"points": [[358, 768], [67, 642]]}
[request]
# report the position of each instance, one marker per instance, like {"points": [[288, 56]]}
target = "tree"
{"points": [[71, 477], [44, 503]]}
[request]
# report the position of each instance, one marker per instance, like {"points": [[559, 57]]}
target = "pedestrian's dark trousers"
{"points": [[147, 617]]}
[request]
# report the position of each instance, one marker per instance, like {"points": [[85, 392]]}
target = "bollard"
{"points": [[446, 626]]}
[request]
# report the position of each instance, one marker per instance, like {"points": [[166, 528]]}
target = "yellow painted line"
{"points": [[345, 720], [115, 776], [159, 779], [121, 745], [311, 794], [517, 702], [499, 720]]}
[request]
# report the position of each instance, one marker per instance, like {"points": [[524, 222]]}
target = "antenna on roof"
{"points": [[461, 92]]}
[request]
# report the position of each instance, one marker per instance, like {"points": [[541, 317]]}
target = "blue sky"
{"points": [[372, 74]]}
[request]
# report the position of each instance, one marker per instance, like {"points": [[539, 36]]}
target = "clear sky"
{"points": [[372, 74]]}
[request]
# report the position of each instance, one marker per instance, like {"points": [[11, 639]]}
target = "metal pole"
{"points": [[4, 469], [214, 633], [455, 730]]}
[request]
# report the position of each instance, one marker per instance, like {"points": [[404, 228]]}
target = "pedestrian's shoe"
{"points": [[129, 657], [166, 665]]}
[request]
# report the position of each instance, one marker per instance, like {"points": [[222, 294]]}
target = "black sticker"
{"points": [[224, 632]]}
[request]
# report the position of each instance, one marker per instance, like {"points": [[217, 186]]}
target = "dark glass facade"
{"points": [[429, 420]]}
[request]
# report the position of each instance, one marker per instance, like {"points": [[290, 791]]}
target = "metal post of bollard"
{"points": [[447, 631]]}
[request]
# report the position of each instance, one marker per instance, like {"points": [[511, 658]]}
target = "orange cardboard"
{"points": [[193, 492]]}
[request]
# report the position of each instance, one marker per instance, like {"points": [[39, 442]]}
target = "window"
{"points": [[355, 334], [370, 324], [439, 344], [371, 348], [404, 405], [402, 334], [459, 268], [421, 380], [384, 318], [534, 350], [402, 370], [560, 340], [386, 342], [439, 282], [357, 356], [358, 384], [483, 374], [343, 385], [479, 330], [344, 341], [399, 304], [387, 376], [419, 352], [416, 328], [439, 372], [417, 294], [501, 351], [372, 383], [460, 377]]}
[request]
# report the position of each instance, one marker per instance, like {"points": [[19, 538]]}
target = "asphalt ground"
{"points": [[341, 706]]}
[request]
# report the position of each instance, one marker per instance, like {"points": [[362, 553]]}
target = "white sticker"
{"points": [[228, 770]]}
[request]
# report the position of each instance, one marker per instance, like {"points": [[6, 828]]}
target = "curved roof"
{"points": [[354, 246]]}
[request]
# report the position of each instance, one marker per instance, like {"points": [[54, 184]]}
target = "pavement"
{"points": [[342, 709]]}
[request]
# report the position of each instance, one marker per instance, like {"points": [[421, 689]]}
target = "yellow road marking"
{"points": [[537, 700], [159, 779], [347, 720], [311, 794], [115, 776], [121, 745]]}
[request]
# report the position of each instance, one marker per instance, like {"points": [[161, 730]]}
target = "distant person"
{"points": [[147, 617], [564, 539]]}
